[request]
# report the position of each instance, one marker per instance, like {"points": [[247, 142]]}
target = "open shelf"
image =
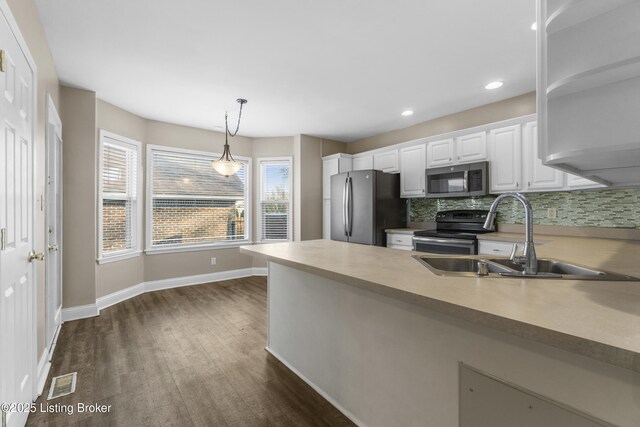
{"points": [[574, 12], [600, 76]]}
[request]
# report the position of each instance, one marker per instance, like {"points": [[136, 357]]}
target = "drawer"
{"points": [[397, 239], [491, 247]]}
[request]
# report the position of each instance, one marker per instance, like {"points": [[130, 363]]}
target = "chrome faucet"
{"points": [[528, 258]]}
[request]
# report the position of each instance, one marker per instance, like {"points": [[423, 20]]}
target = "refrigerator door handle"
{"points": [[345, 207], [465, 181], [350, 209]]}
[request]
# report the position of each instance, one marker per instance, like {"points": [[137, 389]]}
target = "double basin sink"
{"points": [[504, 267]]}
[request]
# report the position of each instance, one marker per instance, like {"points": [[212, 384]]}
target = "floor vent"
{"points": [[62, 385]]}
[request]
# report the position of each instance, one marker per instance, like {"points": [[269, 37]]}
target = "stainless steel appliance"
{"points": [[455, 233], [363, 204], [470, 179]]}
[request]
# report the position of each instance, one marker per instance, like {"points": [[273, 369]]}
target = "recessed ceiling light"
{"points": [[494, 85], [534, 26], [407, 113]]}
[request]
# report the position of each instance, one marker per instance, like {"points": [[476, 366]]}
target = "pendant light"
{"points": [[226, 165]]}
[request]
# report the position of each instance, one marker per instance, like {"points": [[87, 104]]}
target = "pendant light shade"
{"points": [[226, 165]]}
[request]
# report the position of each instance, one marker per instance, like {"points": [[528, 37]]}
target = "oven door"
{"points": [[444, 245]]}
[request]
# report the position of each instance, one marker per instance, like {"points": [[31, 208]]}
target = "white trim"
{"points": [[168, 249], [119, 257], [91, 310], [127, 144], [44, 365], [149, 249], [274, 160], [79, 312], [318, 390], [119, 296]]}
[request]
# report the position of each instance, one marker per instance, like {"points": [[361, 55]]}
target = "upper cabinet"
{"points": [[472, 147], [413, 161], [589, 88], [386, 161], [332, 165], [506, 159], [362, 162], [539, 176], [440, 153]]}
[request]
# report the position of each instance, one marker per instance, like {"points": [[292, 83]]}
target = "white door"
{"points": [[386, 161], [506, 159], [326, 219], [413, 161], [329, 167], [53, 304], [362, 163], [540, 177], [440, 153], [472, 147], [17, 337]]}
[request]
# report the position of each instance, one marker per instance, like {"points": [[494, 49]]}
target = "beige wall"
{"points": [[119, 275], [307, 185], [26, 15], [502, 110], [330, 147], [79, 158]]}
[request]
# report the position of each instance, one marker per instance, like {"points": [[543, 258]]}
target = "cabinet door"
{"points": [[440, 153], [326, 219], [413, 161], [471, 148], [575, 182], [329, 167], [506, 159], [386, 161], [539, 176], [362, 163]]}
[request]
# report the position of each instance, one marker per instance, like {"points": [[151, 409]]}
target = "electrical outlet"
{"points": [[213, 261], [552, 213]]}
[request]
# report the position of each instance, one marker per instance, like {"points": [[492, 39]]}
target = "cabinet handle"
{"points": [[517, 184]]}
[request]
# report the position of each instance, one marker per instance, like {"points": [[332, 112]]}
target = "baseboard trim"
{"points": [[79, 312], [320, 391], [44, 365], [90, 310], [119, 296]]}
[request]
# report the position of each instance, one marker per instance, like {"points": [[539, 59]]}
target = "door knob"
{"points": [[36, 256], [53, 248]]}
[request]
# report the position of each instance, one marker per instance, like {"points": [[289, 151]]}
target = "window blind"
{"points": [[275, 197], [192, 203], [119, 194]]}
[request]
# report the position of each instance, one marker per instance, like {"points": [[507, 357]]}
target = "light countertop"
{"points": [[595, 319]]}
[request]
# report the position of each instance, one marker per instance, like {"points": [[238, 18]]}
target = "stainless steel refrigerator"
{"points": [[363, 204]]}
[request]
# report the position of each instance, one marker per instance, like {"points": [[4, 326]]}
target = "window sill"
{"points": [[193, 248], [120, 257]]}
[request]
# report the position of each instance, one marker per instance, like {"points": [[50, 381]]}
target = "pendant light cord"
{"points": [[226, 124]]}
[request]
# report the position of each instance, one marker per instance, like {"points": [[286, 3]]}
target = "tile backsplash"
{"points": [[595, 208]]}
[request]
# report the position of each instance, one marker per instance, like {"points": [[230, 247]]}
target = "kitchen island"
{"points": [[382, 337]]}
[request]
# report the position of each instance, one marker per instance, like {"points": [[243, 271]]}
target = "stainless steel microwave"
{"points": [[458, 181]]}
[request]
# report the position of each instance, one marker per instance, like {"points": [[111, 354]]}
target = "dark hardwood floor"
{"points": [[186, 356]]}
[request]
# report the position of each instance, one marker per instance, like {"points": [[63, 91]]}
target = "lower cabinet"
{"points": [[326, 219], [400, 241], [486, 401]]}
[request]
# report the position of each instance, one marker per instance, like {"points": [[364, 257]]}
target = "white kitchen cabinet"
{"points": [[575, 182], [588, 86], [506, 159], [539, 176], [326, 219], [400, 241], [413, 161], [497, 248], [471, 148], [440, 153], [362, 162], [332, 165], [386, 161]]}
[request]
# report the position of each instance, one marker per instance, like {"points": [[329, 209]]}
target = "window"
{"points": [[274, 218], [190, 205], [119, 211]]}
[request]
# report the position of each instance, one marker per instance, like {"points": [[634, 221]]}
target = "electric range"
{"points": [[455, 233]]}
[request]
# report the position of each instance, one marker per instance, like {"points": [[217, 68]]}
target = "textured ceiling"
{"points": [[341, 69]]}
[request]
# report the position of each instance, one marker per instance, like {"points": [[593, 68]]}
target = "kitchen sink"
{"points": [[504, 267]]}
